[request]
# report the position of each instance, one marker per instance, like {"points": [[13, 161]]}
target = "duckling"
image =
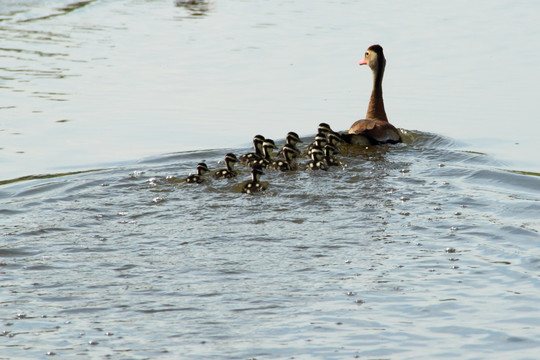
{"points": [[254, 185], [258, 141], [317, 160], [291, 140], [325, 129], [198, 177], [329, 152], [229, 172], [319, 142], [288, 164], [334, 138], [268, 148]]}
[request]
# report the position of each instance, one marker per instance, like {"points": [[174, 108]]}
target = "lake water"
{"points": [[425, 249]]}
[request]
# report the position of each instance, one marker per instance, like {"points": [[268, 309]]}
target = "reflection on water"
{"points": [[25, 11], [394, 254], [195, 7]]}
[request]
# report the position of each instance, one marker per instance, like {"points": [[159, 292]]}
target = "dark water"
{"points": [[425, 249]]}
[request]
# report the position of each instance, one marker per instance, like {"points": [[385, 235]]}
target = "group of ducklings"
{"points": [[322, 153]]}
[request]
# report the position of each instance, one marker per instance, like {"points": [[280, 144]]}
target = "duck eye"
{"points": [[367, 53]]}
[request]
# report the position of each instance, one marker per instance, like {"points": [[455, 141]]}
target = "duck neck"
{"points": [[376, 104]]}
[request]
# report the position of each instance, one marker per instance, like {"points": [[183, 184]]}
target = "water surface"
{"points": [[410, 251], [425, 249], [100, 82]]}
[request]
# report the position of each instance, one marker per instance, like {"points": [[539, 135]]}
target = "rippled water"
{"points": [[426, 249], [409, 251]]}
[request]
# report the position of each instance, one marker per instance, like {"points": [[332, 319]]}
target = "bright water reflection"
{"points": [[100, 82]]}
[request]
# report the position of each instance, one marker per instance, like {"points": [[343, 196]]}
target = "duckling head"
{"points": [[293, 138], [256, 173], [288, 152], [324, 128], [258, 141], [202, 168], [268, 147]]}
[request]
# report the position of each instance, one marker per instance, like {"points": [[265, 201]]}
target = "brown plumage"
{"points": [[375, 128]]}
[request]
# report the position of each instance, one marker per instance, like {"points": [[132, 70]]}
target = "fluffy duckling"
{"points": [[229, 172], [198, 177], [325, 129], [258, 141], [329, 152], [255, 185], [288, 164], [319, 142], [291, 140], [332, 136], [317, 160], [334, 139], [267, 149]]}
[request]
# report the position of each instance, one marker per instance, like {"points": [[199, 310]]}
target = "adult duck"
{"points": [[375, 128]]}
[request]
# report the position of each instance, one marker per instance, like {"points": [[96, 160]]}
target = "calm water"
{"points": [[426, 249]]}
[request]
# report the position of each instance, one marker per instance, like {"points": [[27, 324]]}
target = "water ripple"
{"points": [[392, 236]]}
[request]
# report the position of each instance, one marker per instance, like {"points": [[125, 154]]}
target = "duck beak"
{"points": [[363, 62]]}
